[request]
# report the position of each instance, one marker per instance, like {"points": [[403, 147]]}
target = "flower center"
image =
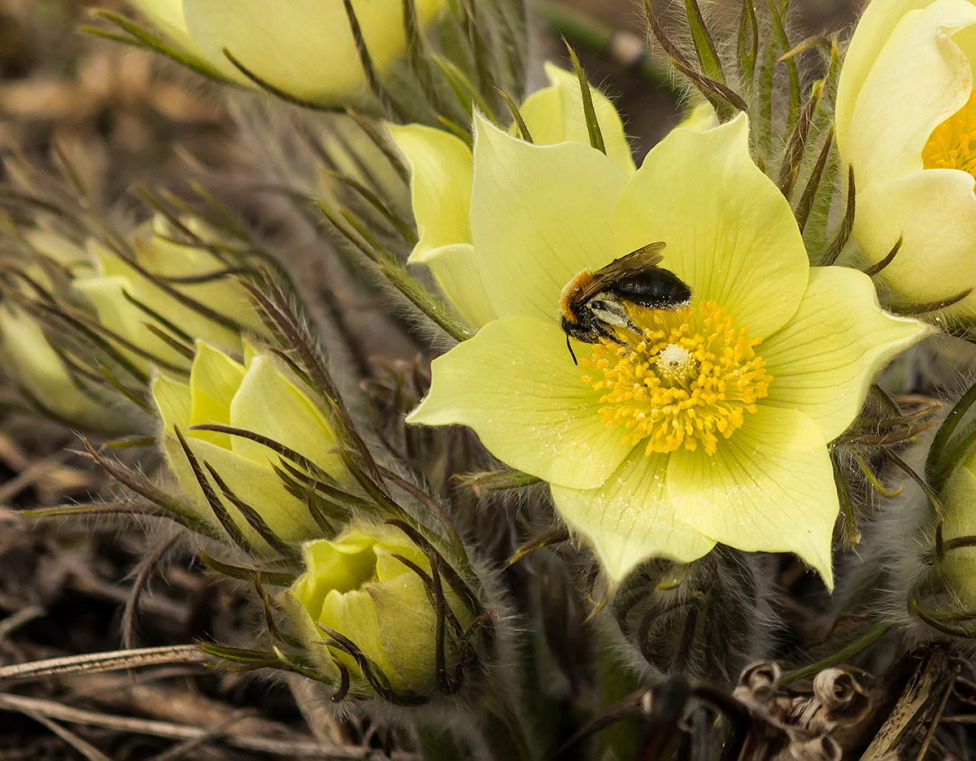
{"points": [[952, 145], [688, 378]]}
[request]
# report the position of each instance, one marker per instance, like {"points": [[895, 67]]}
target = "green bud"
{"points": [[959, 516], [367, 605], [304, 48]]}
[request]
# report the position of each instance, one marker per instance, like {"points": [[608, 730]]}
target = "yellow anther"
{"points": [[688, 380], [952, 145]]}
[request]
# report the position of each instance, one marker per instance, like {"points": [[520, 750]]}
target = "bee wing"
{"points": [[624, 267]]}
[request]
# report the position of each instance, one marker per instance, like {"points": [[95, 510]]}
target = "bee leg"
{"points": [[610, 335], [571, 352]]}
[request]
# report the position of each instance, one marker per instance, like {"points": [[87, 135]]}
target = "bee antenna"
{"points": [[570, 347]]}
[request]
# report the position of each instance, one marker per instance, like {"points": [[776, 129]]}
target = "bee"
{"points": [[594, 303]]}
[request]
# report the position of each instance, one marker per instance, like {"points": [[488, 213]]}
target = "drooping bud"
{"points": [[383, 614]]}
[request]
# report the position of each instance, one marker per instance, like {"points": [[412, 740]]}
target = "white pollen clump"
{"points": [[675, 364]]}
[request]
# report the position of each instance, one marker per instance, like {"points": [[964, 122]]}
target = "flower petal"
{"points": [[253, 482], [167, 16], [214, 379], [629, 519], [730, 234], [441, 169], [456, 271], [917, 79], [304, 47], [874, 28], [292, 420], [935, 260], [539, 215], [768, 488], [823, 360], [555, 114], [516, 386]]}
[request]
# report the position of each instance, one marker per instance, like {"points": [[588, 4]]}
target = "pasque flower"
{"points": [[304, 48], [176, 288], [441, 182], [44, 374], [906, 122], [711, 423], [364, 605], [262, 397]]}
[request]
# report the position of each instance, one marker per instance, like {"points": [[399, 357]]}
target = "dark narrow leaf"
{"points": [[399, 225], [725, 101], [791, 69], [748, 44], [138, 483], [254, 518], [704, 45], [589, 113], [810, 191], [846, 226], [930, 306], [520, 125], [216, 506], [874, 269], [796, 148]]}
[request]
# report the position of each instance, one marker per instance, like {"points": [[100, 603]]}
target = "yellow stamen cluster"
{"points": [[688, 379], [952, 145]]}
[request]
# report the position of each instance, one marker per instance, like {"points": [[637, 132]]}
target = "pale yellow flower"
{"points": [[906, 121], [259, 396], [710, 428], [358, 587], [127, 302], [304, 48]]}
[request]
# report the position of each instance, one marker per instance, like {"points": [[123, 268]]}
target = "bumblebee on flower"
{"points": [[711, 424]]}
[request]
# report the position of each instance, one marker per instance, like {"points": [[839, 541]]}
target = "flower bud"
{"points": [[304, 48], [176, 288], [48, 381], [276, 426], [48, 373], [959, 522], [369, 604]]}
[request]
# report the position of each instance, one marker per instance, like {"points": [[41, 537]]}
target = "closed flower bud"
{"points": [[374, 614], [304, 48], [959, 528], [275, 425], [48, 381], [177, 289]]}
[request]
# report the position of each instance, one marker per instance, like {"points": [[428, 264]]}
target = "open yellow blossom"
{"points": [[440, 185], [707, 424], [305, 48], [906, 122]]}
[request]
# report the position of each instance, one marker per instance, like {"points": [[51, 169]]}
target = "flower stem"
{"points": [[840, 656]]}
